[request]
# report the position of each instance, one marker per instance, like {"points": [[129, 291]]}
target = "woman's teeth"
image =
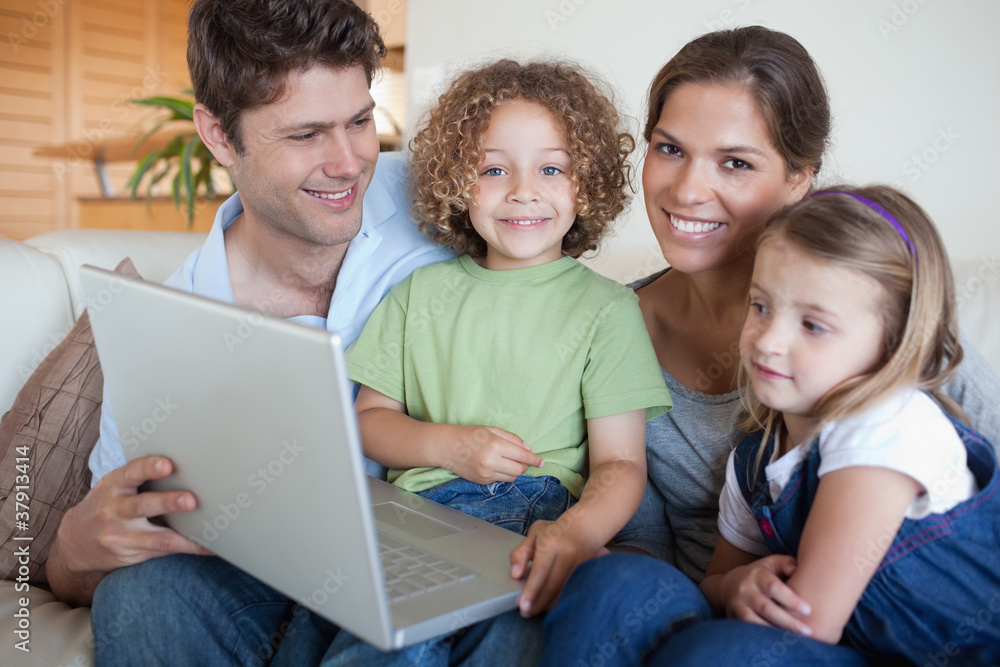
{"points": [[693, 227], [339, 195]]}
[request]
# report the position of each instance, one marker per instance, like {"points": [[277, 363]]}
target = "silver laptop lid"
{"points": [[228, 371]]}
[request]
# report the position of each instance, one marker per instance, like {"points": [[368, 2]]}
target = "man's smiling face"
{"points": [[309, 156]]}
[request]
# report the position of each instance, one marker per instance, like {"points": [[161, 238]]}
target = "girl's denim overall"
{"points": [[935, 598]]}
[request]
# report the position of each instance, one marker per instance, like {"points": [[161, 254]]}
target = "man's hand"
{"points": [[485, 454], [110, 528]]}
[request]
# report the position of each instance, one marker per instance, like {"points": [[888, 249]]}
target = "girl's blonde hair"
{"points": [[448, 148], [920, 345]]}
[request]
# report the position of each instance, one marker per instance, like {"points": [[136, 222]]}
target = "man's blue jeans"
{"points": [[200, 610], [188, 610]]}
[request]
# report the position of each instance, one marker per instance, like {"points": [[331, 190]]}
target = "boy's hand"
{"points": [[480, 454], [758, 593], [486, 454], [554, 552]]}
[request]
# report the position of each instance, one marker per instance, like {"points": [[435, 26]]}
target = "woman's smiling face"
{"points": [[712, 177]]}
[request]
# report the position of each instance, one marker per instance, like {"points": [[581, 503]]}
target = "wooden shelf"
{"points": [[160, 214], [114, 149]]}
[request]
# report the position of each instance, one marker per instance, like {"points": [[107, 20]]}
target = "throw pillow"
{"points": [[45, 444]]}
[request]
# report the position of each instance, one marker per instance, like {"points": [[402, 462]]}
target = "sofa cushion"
{"points": [[45, 442], [59, 634]]}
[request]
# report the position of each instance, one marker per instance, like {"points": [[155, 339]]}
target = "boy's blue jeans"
{"points": [[512, 505]]}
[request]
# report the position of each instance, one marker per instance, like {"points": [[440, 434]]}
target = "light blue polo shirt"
{"points": [[386, 250]]}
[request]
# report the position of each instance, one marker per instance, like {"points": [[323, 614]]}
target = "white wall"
{"points": [[914, 84]]}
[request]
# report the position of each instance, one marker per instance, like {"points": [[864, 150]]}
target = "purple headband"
{"points": [[881, 210]]}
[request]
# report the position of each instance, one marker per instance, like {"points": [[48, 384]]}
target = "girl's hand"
{"points": [[815, 595], [486, 454], [554, 551], [758, 593]]}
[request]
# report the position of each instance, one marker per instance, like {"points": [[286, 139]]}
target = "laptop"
{"points": [[257, 415]]}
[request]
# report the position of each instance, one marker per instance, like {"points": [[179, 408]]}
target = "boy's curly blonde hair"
{"points": [[448, 149]]}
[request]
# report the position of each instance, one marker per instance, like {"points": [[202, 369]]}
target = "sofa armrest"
{"points": [[37, 313]]}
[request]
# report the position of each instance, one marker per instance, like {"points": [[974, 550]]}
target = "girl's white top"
{"points": [[907, 432]]}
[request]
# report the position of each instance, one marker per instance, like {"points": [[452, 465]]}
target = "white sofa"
{"points": [[40, 299]]}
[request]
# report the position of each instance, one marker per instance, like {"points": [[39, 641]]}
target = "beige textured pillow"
{"points": [[45, 442]]}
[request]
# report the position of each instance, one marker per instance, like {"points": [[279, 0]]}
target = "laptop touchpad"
{"points": [[414, 523]]}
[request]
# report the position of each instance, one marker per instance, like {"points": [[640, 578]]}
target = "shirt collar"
{"points": [[211, 273], [213, 266]]}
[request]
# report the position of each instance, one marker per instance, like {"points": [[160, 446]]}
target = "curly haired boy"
{"points": [[496, 381]]}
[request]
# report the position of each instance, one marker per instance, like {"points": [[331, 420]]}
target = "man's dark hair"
{"points": [[240, 53]]}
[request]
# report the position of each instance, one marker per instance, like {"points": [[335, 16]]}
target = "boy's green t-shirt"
{"points": [[533, 351]]}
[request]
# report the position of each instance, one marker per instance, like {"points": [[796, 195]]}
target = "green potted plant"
{"points": [[184, 155]]}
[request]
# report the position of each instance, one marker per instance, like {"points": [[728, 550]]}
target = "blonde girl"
{"points": [[859, 486]]}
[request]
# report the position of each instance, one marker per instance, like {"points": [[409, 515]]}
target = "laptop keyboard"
{"points": [[411, 571]]}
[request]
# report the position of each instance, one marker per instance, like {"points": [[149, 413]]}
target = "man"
{"points": [[317, 234]]}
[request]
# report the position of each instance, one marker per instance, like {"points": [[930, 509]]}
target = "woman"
{"points": [[738, 122]]}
